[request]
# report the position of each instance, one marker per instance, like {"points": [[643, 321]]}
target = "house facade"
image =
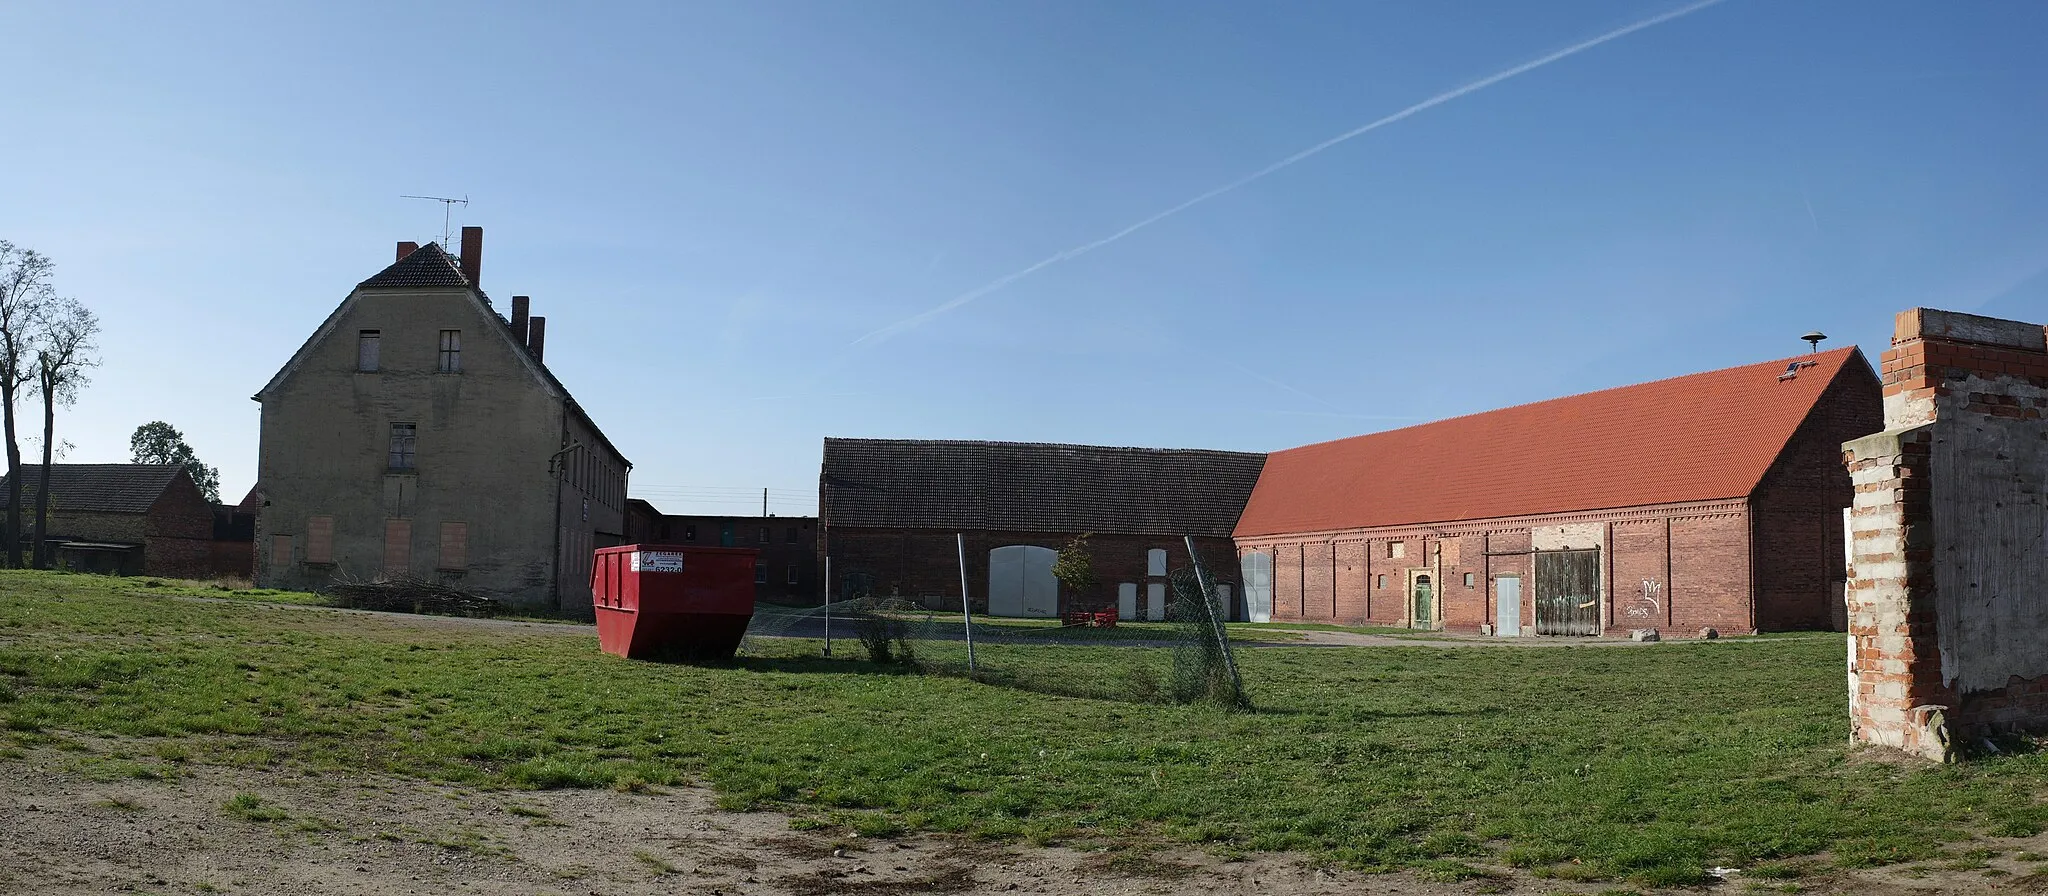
{"points": [[124, 519], [891, 511], [786, 569], [1706, 501], [420, 434]]}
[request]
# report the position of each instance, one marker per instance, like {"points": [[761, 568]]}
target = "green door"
{"points": [[1425, 605]]}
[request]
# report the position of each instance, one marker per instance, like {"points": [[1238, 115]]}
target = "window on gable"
{"points": [[366, 350], [404, 439], [451, 351]]}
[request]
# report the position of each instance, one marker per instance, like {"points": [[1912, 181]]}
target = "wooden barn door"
{"points": [[1568, 593]]}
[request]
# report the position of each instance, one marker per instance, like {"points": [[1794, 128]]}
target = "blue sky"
{"points": [[714, 202]]}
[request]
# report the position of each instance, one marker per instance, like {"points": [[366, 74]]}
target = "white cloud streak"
{"points": [[956, 302]]}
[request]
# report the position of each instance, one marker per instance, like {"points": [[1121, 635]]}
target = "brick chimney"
{"points": [[519, 310], [537, 336], [473, 255], [406, 247]]}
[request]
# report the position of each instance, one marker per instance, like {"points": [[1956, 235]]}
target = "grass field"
{"points": [[1646, 764]]}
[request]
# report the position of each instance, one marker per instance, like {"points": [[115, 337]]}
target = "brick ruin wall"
{"points": [[1947, 568]]}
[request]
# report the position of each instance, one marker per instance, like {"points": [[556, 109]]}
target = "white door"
{"points": [[1258, 587], [1006, 581], [1223, 606], [1155, 601], [1041, 588], [1020, 581], [1127, 601], [1507, 606]]}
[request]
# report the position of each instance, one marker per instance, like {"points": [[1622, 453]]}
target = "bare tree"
{"points": [[64, 352], [24, 289]]}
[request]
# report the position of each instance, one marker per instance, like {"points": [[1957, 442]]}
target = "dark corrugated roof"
{"points": [[1031, 487], [98, 488], [1702, 437], [429, 265]]}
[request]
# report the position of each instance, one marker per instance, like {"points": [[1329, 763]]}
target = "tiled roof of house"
{"points": [[1707, 436], [99, 488], [1030, 487], [429, 265]]}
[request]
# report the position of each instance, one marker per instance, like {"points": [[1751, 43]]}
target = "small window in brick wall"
{"points": [[764, 534], [792, 574], [1396, 550], [1155, 562], [792, 535], [1382, 583], [1470, 580], [760, 573]]}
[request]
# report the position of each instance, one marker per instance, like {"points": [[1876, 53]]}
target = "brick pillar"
{"points": [[1946, 643]]}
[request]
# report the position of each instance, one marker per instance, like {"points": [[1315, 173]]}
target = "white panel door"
{"points": [[1127, 601], [1155, 601], [1258, 587], [1006, 581], [1507, 606], [1041, 588]]}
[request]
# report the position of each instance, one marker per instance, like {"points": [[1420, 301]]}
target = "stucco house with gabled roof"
{"points": [[417, 433]]}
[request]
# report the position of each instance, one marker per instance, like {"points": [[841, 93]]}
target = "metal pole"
{"points": [[828, 605], [1209, 607], [966, 614]]}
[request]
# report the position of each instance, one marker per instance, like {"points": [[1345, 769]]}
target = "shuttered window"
{"points": [[320, 539], [397, 548], [454, 546]]}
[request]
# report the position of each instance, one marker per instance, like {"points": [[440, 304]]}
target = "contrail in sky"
{"points": [[1438, 100]]}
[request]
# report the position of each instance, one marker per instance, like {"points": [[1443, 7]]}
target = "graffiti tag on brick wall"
{"points": [[1648, 607]]}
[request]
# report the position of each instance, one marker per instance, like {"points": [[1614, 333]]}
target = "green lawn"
{"points": [[1647, 764]]}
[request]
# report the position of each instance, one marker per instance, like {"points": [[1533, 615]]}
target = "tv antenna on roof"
{"points": [[447, 213]]}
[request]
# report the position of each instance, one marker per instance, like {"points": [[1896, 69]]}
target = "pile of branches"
{"points": [[409, 595]]}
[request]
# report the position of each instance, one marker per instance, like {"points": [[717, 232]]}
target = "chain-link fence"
{"points": [[1185, 658]]}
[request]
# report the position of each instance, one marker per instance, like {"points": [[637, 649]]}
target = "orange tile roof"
{"points": [[1707, 436]]}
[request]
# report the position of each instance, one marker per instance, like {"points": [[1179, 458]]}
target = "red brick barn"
{"points": [[124, 519], [891, 508], [1711, 500]]}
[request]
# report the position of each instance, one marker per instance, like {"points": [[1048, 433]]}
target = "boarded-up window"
{"points": [[366, 351], [280, 550], [397, 547], [1155, 562], [454, 546], [320, 539]]}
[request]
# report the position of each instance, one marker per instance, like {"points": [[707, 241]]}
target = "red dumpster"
{"points": [[670, 602]]}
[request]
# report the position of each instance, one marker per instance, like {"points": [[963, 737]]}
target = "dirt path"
{"points": [[65, 830]]}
